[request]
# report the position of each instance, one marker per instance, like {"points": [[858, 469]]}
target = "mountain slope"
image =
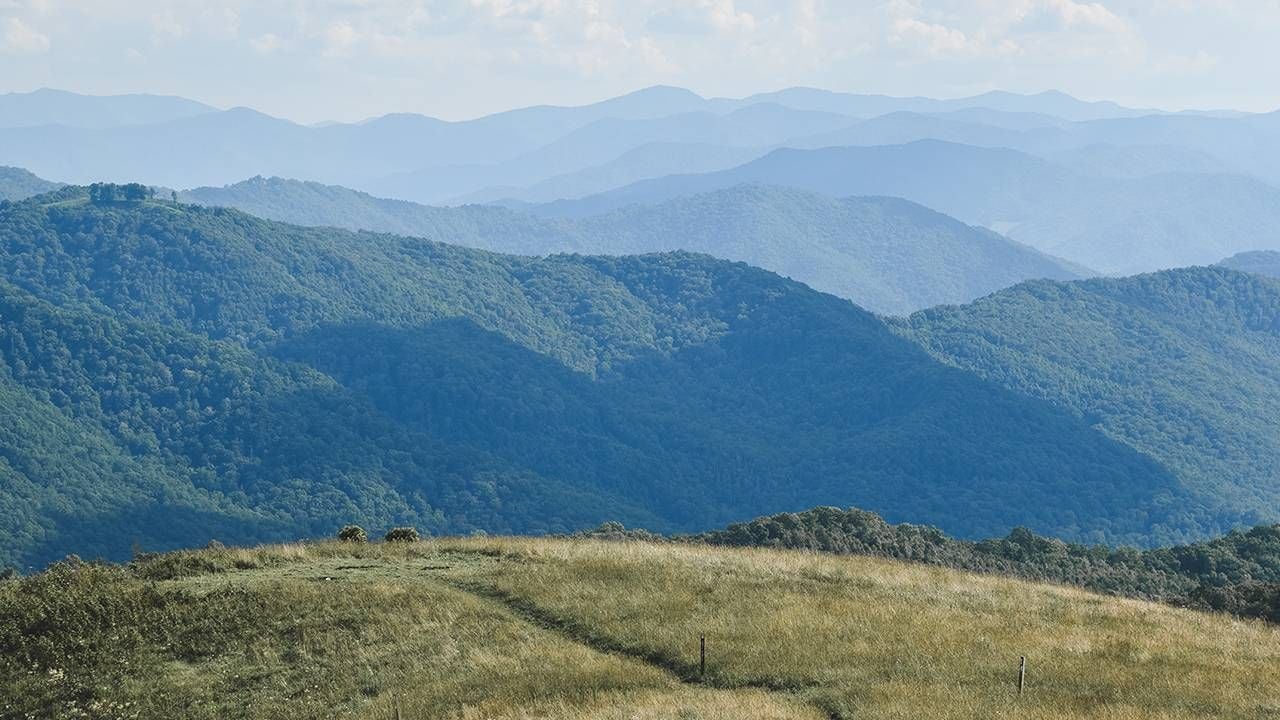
{"points": [[975, 184], [1259, 262], [1111, 224], [887, 255], [644, 162], [176, 438], [396, 376], [605, 141], [1182, 365], [18, 184]]}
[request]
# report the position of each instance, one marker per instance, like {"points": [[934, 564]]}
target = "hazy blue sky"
{"points": [[349, 59]]}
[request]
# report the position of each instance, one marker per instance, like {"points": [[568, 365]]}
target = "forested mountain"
{"points": [[1111, 224], [1181, 365], [885, 254], [1261, 262], [18, 184], [256, 379]]}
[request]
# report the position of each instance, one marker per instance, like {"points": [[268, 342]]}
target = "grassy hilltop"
{"points": [[525, 628]]}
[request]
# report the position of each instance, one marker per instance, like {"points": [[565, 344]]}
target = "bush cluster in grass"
{"points": [[1237, 573], [353, 534], [402, 534]]}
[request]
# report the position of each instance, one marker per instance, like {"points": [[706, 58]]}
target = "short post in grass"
{"points": [[702, 656], [1022, 674]]}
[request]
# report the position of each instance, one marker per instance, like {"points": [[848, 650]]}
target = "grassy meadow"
{"points": [[586, 630]]}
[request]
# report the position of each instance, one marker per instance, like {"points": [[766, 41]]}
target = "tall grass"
{"points": [[514, 629], [870, 638]]}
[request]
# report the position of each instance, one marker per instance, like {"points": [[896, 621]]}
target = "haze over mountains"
{"points": [[1115, 189], [1115, 225], [887, 255], [612, 338]]}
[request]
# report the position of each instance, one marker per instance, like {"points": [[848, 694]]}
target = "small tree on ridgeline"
{"points": [[111, 193]]}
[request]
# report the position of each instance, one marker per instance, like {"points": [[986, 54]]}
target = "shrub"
{"points": [[353, 534], [402, 534]]}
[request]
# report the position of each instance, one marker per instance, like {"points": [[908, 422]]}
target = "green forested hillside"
{"points": [[1182, 365], [887, 255], [18, 184], [273, 379], [126, 432]]}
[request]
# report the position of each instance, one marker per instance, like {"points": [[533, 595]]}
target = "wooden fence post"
{"points": [[702, 656], [1022, 674]]}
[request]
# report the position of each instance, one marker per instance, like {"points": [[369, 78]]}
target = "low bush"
{"points": [[402, 534], [353, 534]]}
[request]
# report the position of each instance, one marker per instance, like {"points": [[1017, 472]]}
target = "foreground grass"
{"points": [[519, 629], [863, 637]]}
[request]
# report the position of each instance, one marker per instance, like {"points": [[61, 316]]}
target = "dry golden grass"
{"points": [[517, 629], [870, 638]]}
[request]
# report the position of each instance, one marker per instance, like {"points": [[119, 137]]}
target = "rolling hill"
{"points": [[887, 255], [257, 379], [517, 628]]}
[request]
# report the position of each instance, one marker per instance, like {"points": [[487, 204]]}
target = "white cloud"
{"points": [[22, 39], [266, 43], [339, 38], [165, 26], [936, 39], [1092, 15], [725, 16], [459, 58]]}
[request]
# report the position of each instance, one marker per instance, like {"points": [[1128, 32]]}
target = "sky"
{"points": [[352, 59]]}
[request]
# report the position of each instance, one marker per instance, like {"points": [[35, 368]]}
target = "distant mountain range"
{"points": [[1112, 224], [1115, 189], [887, 255], [176, 143], [58, 107]]}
